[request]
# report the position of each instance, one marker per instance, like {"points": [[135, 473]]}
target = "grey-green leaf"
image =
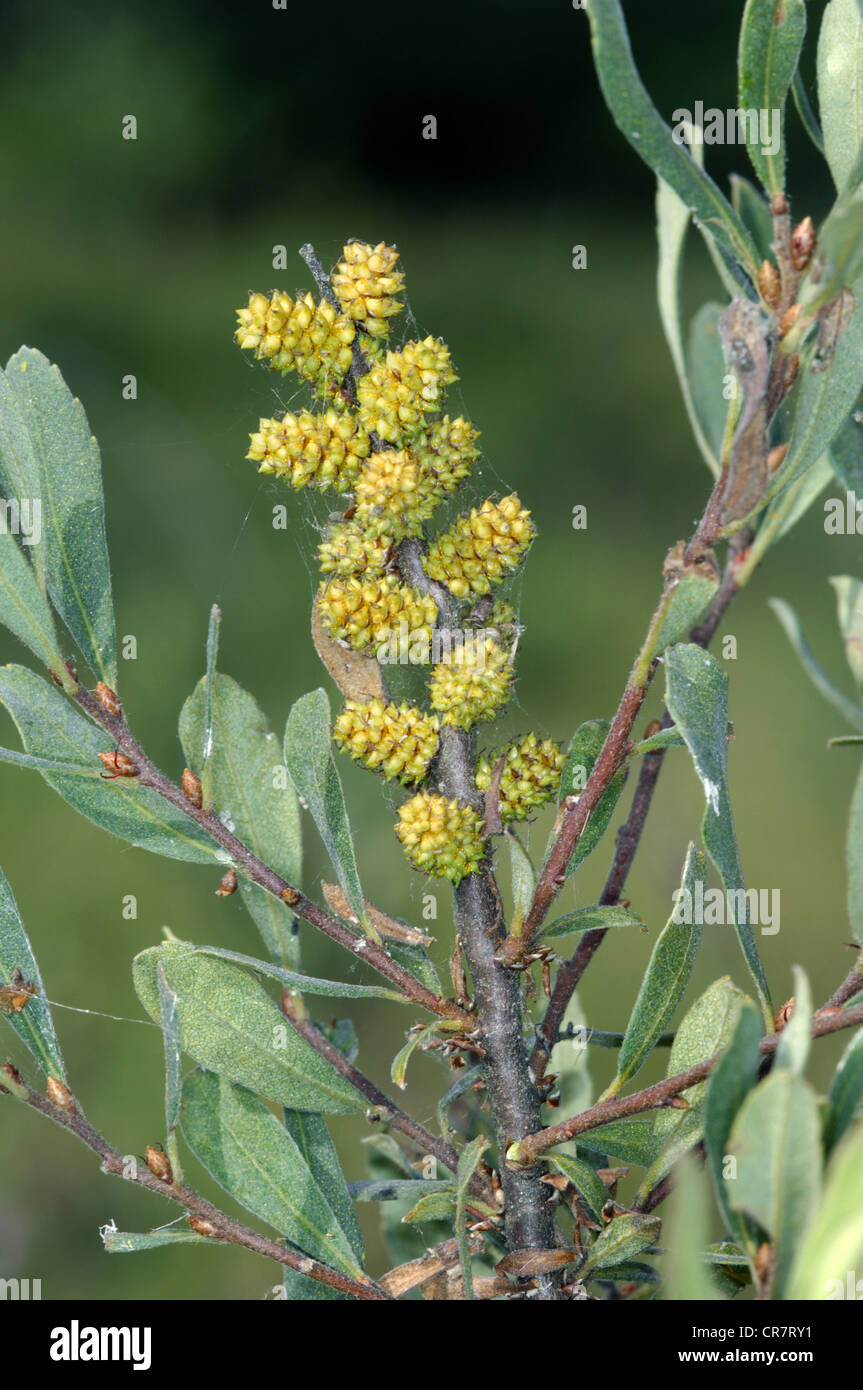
{"points": [[581, 756], [76, 554], [523, 883], [666, 978], [672, 226], [846, 452], [795, 1039], [776, 1142], [686, 1235], [631, 1141], [399, 1066], [395, 1190], [771, 37], [586, 1181], [131, 1242], [794, 632], [467, 1163], [242, 1145], [733, 1077], [23, 607], [228, 745], [309, 759], [33, 1023], [794, 501], [840, 86], [704, 1030], [846, 1093], [638, 119], [690, 600], [658, 742], [854, 861], [19, 468], [597, 918], [829, 1257], [231, 1026], [309, 984], [849, 604], [625, 1238], [824, 398], [52, 729], [754, 212], [169, 1019], [705, 369], [433, 1206], [312, 1137], [697, 699]]}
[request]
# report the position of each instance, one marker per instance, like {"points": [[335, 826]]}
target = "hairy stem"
{"points": [[629, 835], [384, 1108], [228, 1229], [511, 1090], [361, 947], [656, 1097]]}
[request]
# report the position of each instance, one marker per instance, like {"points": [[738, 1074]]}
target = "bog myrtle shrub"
{"points": [[518, 1193]]}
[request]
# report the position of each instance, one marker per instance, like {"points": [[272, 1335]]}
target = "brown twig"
{"points": [[227, 1228], [496, 991], [629, 836], [361, 947], [851, 985], [657, 1096], [385, 1108]]}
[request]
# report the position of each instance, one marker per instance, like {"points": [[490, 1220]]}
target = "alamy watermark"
{"points": [[22, 518], [402, 647], [738, 125], [715, 907]]}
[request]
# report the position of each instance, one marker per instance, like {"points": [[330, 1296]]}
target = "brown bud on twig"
{"points": [[59, 1094], [290, 896], [802, 244], [227, 884], [159, 1164], [776, 457], [769, 284], [15, 995], [788, 320], [791, 371], [653, 728], [118, 765], [204, 1227], [778, 205], [12, 1074], [107, 698], [784, 1014], [191, 786]]}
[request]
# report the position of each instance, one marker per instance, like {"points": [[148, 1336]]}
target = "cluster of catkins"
{"points": [[380, 434]]}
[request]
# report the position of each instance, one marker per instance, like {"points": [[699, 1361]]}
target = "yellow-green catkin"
{"points": [[446, 451], [365, 282], [397, 740], [363, 611], [530, 777], [472, 682], [391, 486], [297, 335], [441, 837], [326, 450], [360, 547], [481, 549], [397, 393]]}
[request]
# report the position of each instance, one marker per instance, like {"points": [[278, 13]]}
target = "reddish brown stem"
{"points": [[361, 947], [657, 1096], [227, 1227]]}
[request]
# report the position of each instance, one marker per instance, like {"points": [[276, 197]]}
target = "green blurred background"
{"points": [[259, 127]]}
